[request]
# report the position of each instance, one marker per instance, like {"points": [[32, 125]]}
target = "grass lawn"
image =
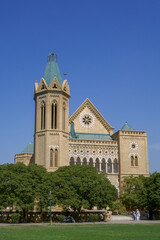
{"points": [[82, 232]]}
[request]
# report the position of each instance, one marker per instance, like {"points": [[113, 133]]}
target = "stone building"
{"points": [[83, 138]]}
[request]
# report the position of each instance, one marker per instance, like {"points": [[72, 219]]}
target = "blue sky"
{"points": [[110, 50]]}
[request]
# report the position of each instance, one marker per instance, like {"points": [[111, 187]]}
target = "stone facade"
{"points": [[84, 138]]}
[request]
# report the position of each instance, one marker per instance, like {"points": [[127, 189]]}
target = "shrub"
{"points": [[93, 218], [60, 218], [15, 217]]}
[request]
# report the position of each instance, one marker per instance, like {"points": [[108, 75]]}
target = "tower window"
{"points": [[136, 161], [132, 161], [43, 111], [54, 116], [55, 119], [51, 157], [55, 157], [64, 113]]}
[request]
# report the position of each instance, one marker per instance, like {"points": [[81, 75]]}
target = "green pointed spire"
{"points": [[52, 69], [127, 127]]}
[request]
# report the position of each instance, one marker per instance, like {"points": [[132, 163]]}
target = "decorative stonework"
{"points": [[53, 146], [134, 154], [87, 120], [96, 152], [133, 146], [92, 108]]}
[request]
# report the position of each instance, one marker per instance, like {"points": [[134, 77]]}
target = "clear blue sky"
{"points": [[110, 50]]}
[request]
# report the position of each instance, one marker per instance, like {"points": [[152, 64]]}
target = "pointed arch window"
{"points": [[54, 115], [51, 157], [109, 166], [71, 161], [64, 117], [55, 157], [132, 161], [103, 165], [115, 166], [136, 161], [43, 112]]}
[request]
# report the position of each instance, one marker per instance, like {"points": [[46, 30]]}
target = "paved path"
{"points": [[86, 223]]}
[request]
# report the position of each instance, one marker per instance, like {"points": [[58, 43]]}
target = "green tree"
{"points": [[134, 194], [21, 185], [152, 184], [81, 186]]}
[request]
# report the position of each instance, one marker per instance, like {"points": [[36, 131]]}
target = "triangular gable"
{"points": [[88, 105], [65, 87], [42, 85], [55, 84]]}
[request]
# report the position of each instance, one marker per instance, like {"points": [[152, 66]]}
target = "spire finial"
{"points": [[52, 57]]}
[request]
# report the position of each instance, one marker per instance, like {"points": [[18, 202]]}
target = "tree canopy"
{"points": [[81, 186], [20, 185], [141, 192], [25, 187]]}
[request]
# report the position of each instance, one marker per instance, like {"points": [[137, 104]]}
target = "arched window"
{"points": [[54, 115], [78, 161], [91, 162], [132, 161], [55, 119], [109, 166], [84, 161], [55, 157], [64, 117], [97, 164], [136, 161], [51, 157], [103, 165], [43, 111], [71, 161], [115, 166]]}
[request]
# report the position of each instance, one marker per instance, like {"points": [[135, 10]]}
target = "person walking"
{"points": [[137, 215], [134, 214]]}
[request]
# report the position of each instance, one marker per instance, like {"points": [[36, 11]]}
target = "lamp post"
{"points": [[50, 198]]}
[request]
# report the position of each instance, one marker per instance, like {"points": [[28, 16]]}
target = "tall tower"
{"points": [[51, 136]]}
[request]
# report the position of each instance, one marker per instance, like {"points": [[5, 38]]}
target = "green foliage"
{"points": [[134, 193], [118, 207], [152, 184], [93, 217], [60, 218], [141, 192], [81, 186], [21, 185], [15, 217]]}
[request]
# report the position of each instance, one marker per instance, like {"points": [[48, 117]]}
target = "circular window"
{"points": [[133, 145], [86, 120]]}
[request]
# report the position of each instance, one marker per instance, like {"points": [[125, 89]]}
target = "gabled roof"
{"points": [[89, 104], [127, 127], [29, 148], [52, 69]]}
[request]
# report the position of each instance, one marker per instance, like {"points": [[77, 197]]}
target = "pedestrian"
{"points": [[134, 214], [138, 215]]}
